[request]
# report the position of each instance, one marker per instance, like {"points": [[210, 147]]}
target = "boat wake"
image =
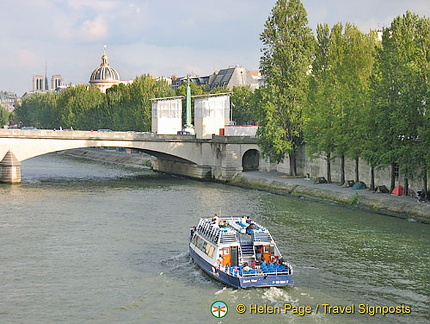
{"points": [[277, 295], [181, 266]]}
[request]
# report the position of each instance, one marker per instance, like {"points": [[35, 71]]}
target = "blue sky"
{"points": [[158, 37]]}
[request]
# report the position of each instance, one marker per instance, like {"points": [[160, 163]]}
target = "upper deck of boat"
{"points": [[231, 229]]}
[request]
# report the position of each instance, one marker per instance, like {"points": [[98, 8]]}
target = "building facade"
{"points": [[8, 100], [230, 77], [40, 83], [57, 82]]}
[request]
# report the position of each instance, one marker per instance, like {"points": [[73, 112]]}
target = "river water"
{"points": [[85, 242]]}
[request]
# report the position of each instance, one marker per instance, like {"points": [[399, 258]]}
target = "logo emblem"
{"points": [[219, 309]]}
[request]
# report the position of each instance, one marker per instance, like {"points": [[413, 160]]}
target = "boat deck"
{"points": [[226, 229], [264, 269]]}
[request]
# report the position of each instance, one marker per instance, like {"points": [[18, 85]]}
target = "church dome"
{"points": [[104, 73]]}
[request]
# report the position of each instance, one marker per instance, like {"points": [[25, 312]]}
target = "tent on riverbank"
{"points": [[398, 191], [382, 189], [359, 185]]}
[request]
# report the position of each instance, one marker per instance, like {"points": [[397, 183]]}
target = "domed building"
{"points": [[104, 76]]}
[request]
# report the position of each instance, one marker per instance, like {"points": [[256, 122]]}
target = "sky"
{"points": [[157, 37]]}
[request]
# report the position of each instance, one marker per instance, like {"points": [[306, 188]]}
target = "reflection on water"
{"points": [[89, 242]]}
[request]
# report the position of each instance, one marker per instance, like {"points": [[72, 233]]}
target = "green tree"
{"points": [[4, 116], [139, 107], [128, 107], [39, 110], [195, 89], [401, 91], [74, 103], [286, 56], [368, 142], [243, 112], [338, 94], [319, 116], [357, 63]]}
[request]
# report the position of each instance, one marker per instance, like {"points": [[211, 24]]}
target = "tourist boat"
{"points": [[238, 252]]}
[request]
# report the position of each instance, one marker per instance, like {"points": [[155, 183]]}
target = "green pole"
{"points": [[188, 107]]}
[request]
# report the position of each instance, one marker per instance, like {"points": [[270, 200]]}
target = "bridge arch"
{"points": [[251, 160]]}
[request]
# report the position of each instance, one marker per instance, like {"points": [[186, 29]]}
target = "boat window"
{"points": [[194, 240], [210, 250], [203, 246]]}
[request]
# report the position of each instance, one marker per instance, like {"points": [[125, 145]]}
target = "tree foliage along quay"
{"points": [[342, 93], [287, 52], [365, 99], [400, 97], [338, 103], [123, 107], [4, 116]]}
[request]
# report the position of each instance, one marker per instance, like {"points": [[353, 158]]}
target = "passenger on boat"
{"points": [[215, 220], [248, 220], [246, 267], [251, 227], [222, 224], [259, 253], [219, 261]]}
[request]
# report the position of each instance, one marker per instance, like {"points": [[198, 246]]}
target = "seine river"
{"points": [[85, 242]]}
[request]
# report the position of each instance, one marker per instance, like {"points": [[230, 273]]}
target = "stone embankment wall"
{"points": [[387, 204], [317, 167]]}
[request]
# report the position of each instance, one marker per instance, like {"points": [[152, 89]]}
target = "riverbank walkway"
{"points": [[384, 203]]}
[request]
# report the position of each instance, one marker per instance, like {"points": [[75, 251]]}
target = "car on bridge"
{"points": [[31, 128]]}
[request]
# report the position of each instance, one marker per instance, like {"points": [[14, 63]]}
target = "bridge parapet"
{"points": [[92, 135]]}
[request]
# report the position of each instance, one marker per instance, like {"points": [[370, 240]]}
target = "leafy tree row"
{"points": [[123, 107], [346, 94], [400, 98], [337, 107]]}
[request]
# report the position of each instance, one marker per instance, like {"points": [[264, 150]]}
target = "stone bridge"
{"points": [[219, 158]]}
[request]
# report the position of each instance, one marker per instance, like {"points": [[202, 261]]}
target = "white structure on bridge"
{"points": [[220, 158], [211, 113], [167, 115]]}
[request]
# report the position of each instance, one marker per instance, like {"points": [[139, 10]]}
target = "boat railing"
{"points": [[261, 236], [208, 231], [216, 234], [238, 271], [228, 237]]}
